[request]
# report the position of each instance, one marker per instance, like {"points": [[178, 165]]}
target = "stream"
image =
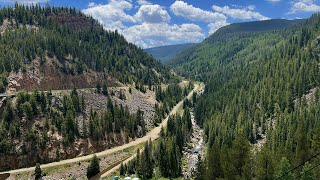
{"points": [[193, 149]]}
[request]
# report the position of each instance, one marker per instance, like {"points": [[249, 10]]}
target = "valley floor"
{"points": [[193, 150]]}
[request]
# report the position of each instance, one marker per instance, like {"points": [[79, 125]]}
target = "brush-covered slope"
{"points": [[166, 53]]}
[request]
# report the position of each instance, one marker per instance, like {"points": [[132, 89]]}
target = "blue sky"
{"points": [[150, 23]]}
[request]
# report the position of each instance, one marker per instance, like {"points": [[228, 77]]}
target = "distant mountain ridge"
{"points": [[166, 53], [226, 33]]}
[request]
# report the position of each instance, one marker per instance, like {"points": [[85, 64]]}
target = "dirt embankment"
{"points": [[50, 76]]}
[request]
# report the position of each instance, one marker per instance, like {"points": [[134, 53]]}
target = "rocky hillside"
{"points": [[68, 87], [43, 46]]}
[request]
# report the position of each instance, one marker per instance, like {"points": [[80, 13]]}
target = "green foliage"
{"points": [[258, 83], [283, 167], [165, 155], [307, 172], [98, 87], [94, 167], [98, 50], [105, 89], [166, 53], [38, 172]]}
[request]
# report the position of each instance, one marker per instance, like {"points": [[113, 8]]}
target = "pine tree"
{"points": [[94, 167], [105, 89], [199, 174], [265, 167], [282, 168], [38, 172], [213, 163], [98, 87], [307, 173], [122, 170]]}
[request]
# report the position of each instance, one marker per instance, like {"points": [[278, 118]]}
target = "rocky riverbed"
{"points": [[193, 150]]}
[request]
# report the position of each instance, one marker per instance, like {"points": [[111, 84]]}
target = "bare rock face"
{"points": [[49, 76]]}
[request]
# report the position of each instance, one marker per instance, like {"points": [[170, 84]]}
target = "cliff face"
{"points": [[50, 76]]}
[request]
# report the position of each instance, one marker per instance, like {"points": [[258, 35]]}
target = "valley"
{"points": [[153, 134], [231, 91]]}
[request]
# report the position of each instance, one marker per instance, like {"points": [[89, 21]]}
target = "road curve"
{"points": [[153, 134]]}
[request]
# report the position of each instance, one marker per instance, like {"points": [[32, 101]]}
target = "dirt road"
{"points": [[153, 134]]}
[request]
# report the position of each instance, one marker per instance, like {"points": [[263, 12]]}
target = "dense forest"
{"points": [[260, 109], [78, 42], [164, 156]]}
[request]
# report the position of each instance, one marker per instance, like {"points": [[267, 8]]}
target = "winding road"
{"points": [[153, 134]]}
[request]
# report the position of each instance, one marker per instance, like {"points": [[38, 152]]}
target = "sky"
{"points": [[151, 23]]}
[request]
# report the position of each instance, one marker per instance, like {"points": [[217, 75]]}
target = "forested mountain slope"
{"points": [[224, 43], [47, 46], [167, 53], [56, 69], [260, 111]]}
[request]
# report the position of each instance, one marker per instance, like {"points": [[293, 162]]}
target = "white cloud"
{"points": [[213, 27], [304, 6], [152, 14], [215, 20], [180, 8], [111, 15], [150, 35], [150, 23], [143, 2], [92, 4], [251, 7], [242, 14]]}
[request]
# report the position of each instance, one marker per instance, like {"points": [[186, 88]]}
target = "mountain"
{"points": [[42, 47], [237, 32], [261, 105], [166, 53], [69, 87]]}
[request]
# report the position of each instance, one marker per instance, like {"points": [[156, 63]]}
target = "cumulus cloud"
{"points": [[150, 34], [213, 27], [111, 15], [215, 20], [92, 4], [150, 26], [143, 2], [251, 7], [304, 6], [152, 14], [243, 14], [180, 8]]}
